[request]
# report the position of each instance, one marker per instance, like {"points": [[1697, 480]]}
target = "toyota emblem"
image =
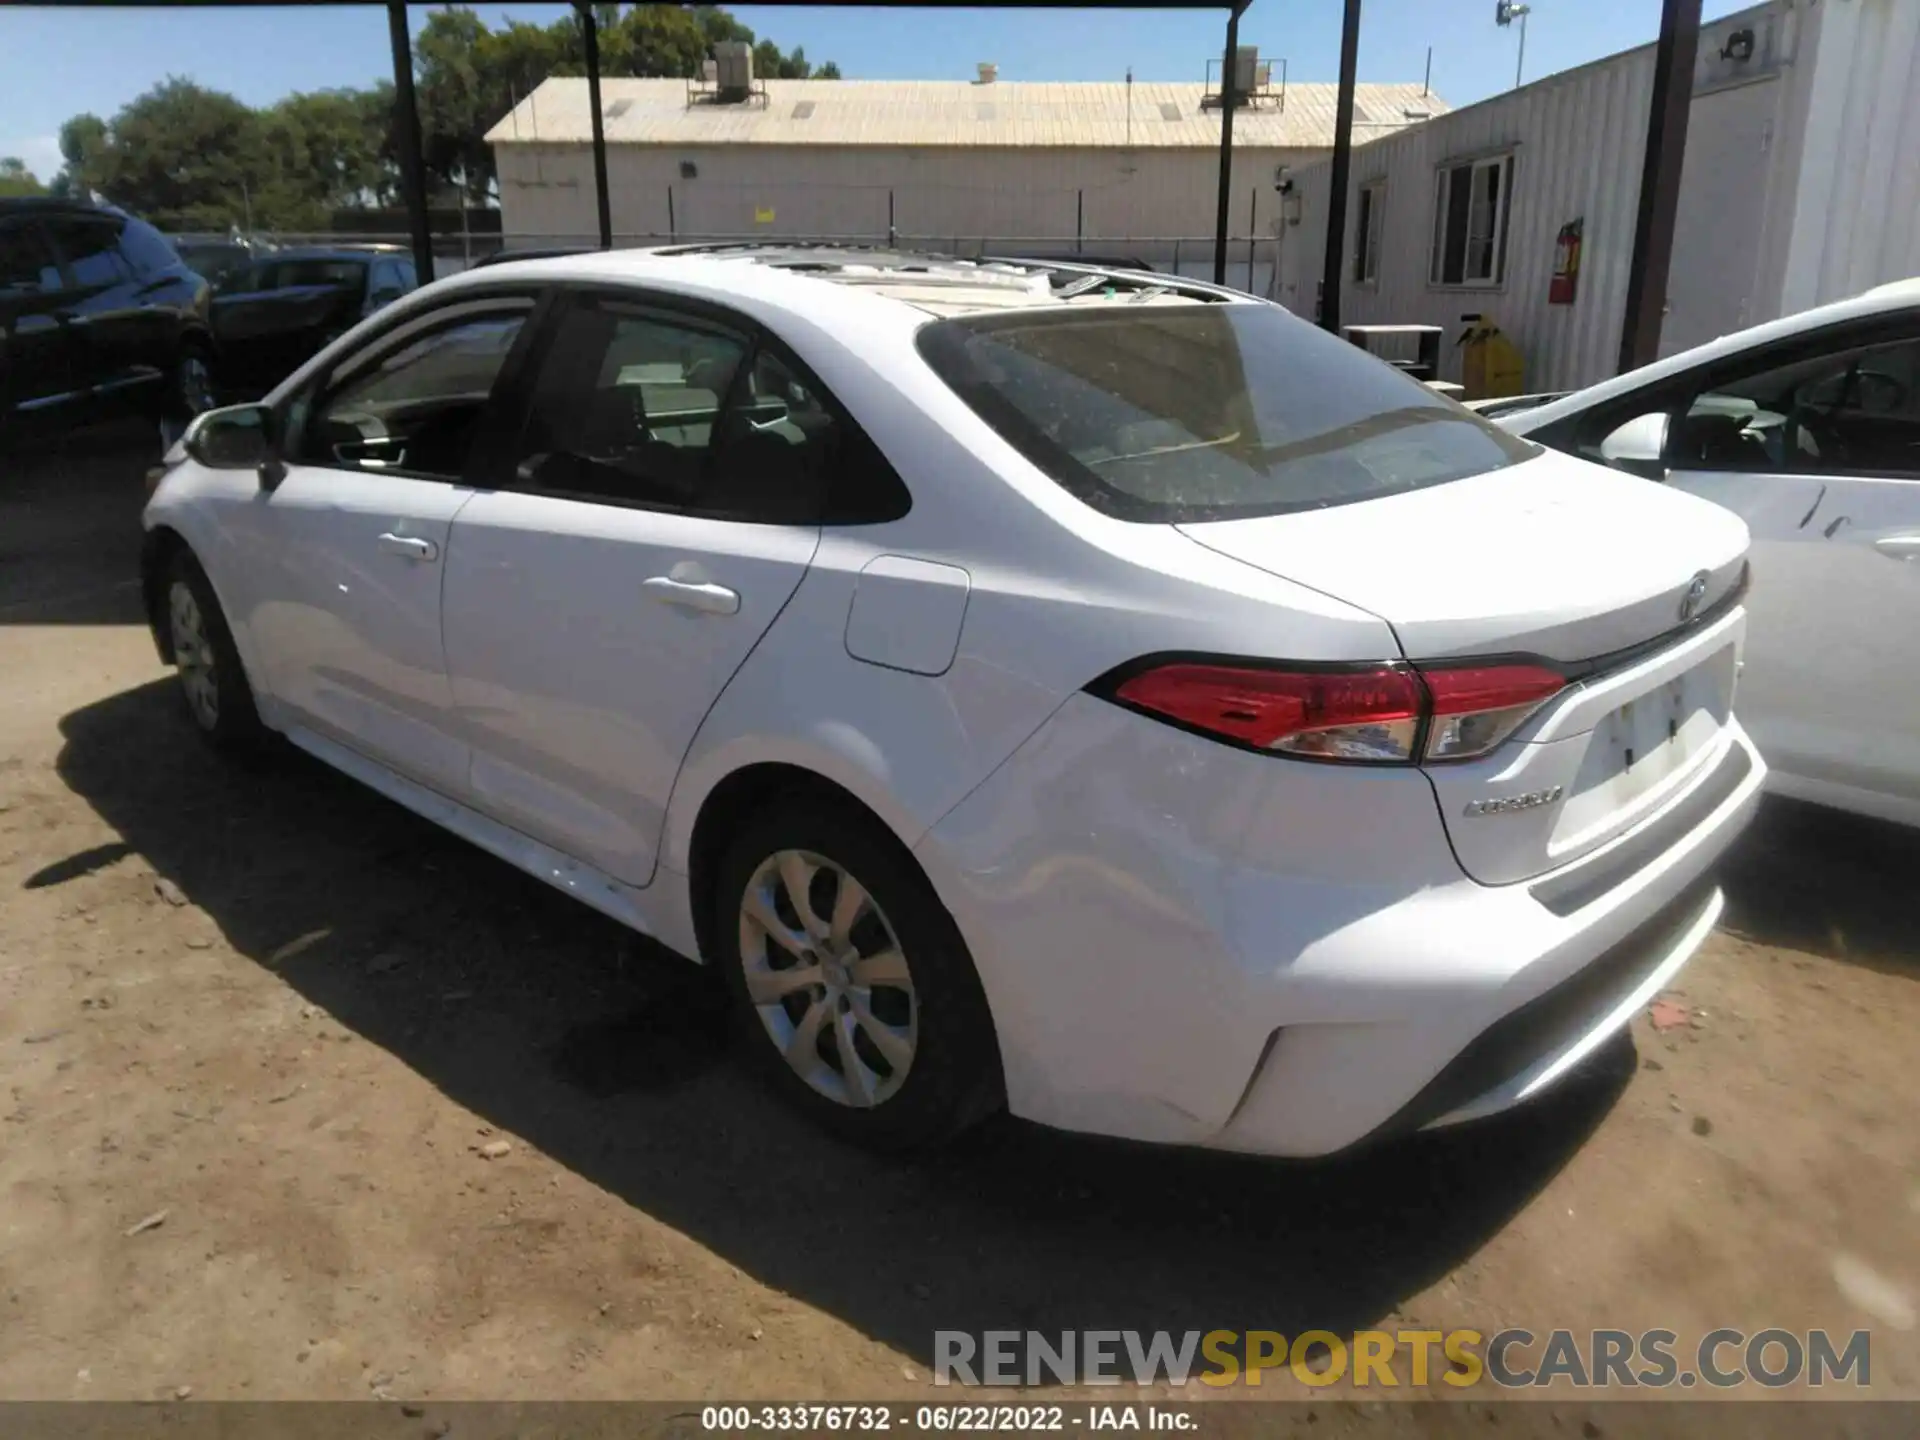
{"points": [[1696, 592]]}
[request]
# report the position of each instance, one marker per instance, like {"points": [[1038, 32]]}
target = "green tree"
{"points": [[17, 179], [183, 156], [193, 158], [81, 139]]}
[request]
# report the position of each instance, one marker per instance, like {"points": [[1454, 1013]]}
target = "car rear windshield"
{"points": [[1172, 413]]}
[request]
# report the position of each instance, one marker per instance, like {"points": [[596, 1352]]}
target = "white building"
{"points": [[1801, 184], [952, 164]]}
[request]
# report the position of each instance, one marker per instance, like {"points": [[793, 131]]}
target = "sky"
{"points": [[55, 63]]}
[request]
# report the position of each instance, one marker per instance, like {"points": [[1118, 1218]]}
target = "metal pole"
{"points": [[1227, 101], [1253, 223], [590, 33], [672, 232], [1426, 85], [1342, 170], [893, 235], [1520, 64], [1079, 221], [406, 114], [1660, 183]]}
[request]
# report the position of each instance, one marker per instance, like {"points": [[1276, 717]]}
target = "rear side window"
{"points": [[1179, 412], [146, 248], [665, 411], [26, 265]]}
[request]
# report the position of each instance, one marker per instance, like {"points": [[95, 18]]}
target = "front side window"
{"points": [[146, 249], [1185, 412], [91, 246], [1852, 412], [416, 409], [1471, 204]]}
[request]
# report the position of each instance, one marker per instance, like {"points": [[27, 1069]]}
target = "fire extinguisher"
{"points": [[1566, 264]]}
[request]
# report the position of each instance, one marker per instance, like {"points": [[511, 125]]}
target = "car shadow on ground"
{"points": [[1812, 879], [610, 1056], [70, 525]]}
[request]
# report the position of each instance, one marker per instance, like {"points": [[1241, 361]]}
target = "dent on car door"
{"points": [[656, 515], [1820, 451], [345, 599]]}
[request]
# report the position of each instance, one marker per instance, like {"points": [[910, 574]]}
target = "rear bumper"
{"points": [[1187, 943]]}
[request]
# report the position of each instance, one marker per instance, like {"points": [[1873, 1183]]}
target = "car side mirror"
{"points": [[385, 295], [238, 437], [1639, 447]]}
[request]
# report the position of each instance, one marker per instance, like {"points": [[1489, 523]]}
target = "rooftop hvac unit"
{"points": [[1246, 67], [733, 64]]}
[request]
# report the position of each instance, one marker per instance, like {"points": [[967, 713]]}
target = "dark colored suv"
{"points": [[98, 317]]}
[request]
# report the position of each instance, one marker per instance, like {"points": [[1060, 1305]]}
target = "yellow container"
{"points": [[1490, 363]]}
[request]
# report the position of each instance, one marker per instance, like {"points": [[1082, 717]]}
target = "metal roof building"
{"points": [[959, 164]]}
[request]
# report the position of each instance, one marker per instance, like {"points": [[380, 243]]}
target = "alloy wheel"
{"points": [[827, 977], [193, 654]]}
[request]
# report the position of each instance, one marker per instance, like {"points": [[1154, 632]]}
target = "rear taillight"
{"points": [[1475, 708], [1327, 714], [1386, 714]]}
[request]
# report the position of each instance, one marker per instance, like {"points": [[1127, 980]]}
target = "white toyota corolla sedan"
{"points": [[1091, 693]]}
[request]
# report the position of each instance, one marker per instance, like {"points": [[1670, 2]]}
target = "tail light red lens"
{"points": [[1386, 714], [1371, 715]]}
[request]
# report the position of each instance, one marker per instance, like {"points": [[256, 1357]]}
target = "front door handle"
{"points": [[708, 599], [411, 546], [1899, 547]]}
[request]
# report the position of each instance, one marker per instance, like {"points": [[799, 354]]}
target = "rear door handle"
{"points": [[708, 599], [411, 546], [1899, 547]]}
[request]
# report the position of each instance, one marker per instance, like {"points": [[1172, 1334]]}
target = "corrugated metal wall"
{"points": [[1802, 185], [1851, 215], [1577, 141], [944, 195]]}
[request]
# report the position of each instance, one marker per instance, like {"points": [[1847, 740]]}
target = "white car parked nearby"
{"points": [[1808, 428], [1098, 694]]}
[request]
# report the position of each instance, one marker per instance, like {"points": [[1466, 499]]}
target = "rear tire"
{"points": [[212, 680], [854, 991]]}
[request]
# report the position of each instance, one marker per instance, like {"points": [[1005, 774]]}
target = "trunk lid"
{"points": [[1556, 557], [1554, 560]]}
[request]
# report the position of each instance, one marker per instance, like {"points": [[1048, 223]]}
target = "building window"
{"points": [[1366, 233], [1471, 202]]}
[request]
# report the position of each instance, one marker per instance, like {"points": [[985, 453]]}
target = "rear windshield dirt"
{"points": [[1172, 414]]}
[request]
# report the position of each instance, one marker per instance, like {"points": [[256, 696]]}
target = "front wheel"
{"points": [[212, 680], [855, 990]]}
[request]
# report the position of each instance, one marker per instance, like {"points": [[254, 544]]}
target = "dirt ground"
{"points": [[284, 1015]]}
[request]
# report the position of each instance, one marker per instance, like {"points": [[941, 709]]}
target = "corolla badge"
{"points": [[1696, 592], [1532, 800]]}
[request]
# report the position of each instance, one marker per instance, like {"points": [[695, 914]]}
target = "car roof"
{"points": [[334, 252], [922, 283], [56, 205], [1889, 299]]}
